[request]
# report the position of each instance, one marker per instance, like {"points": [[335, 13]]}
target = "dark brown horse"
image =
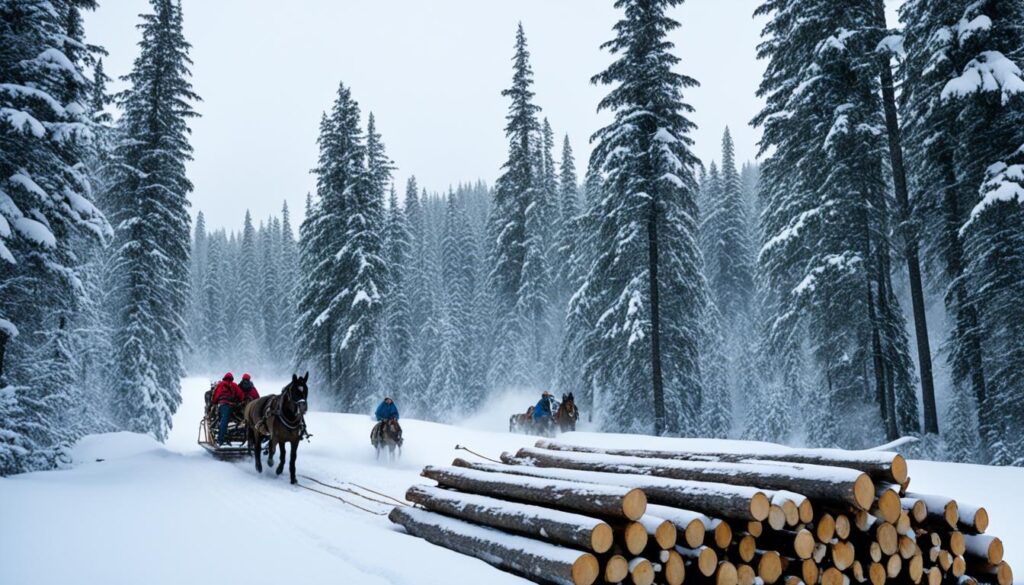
{"points": [[280, 417], [567, 414], [387, 435]]}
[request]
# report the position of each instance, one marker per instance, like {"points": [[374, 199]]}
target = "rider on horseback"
{"points": [[386, 411], [226, 396]]}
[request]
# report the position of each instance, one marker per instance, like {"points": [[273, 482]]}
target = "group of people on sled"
{"points": [[228, 396]]}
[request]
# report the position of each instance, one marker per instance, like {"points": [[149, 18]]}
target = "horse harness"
{"points": [[275, 408]]}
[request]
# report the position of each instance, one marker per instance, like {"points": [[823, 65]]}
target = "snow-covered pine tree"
{"points": [[961, 104], [566, 227], [268, 289], [247, 331], [645, 281], [398, 333], [708, 201], [289, 268], [46, 214], [515, 324], [214, 339]]}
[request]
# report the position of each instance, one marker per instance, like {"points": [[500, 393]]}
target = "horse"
{"points": [[567, 414], [387, 434], [280, 417], [520, 421]]}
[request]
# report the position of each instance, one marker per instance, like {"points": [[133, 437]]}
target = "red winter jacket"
{"points": [[250, 394], [227, 393]]}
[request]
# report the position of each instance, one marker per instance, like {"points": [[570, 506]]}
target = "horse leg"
{"points": [[254, 439], [291, 462], [280, 464], [271, 447]]}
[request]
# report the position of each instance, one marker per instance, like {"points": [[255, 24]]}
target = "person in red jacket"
{"points": [[249, 391], [226, 396]]}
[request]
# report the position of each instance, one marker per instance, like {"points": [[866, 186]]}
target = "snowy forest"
{"points": [[860, 281]]}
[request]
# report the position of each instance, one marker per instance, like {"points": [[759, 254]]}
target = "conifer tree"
{"points": [[645, 281]]}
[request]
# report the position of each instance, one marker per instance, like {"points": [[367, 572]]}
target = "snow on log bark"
{"points": [[879, 465], [534, 521], [972, 519], [983, 547], [692, 525], [539, 560], [942, 511], [719, 499], [828, 484], [602, 500]]}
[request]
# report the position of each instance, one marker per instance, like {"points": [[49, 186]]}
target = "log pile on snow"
{"points": [[577, 515]]}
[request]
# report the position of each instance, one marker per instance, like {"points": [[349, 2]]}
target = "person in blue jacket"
{"points": [[386, 410], [543, 408]]}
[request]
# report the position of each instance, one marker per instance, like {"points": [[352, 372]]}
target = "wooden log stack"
{"points": [[746, 514]]}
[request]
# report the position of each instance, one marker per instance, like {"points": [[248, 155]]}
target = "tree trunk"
{"points": [[722, 500], [834, 485], [3, 352], [533, 558], [534, 521], [605, 501], [652, 260], [881, 466], [909, 234]]}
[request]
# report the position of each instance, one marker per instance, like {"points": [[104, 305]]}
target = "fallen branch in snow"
{"points": [[468, 450]]}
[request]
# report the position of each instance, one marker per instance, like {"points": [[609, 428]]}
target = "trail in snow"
{"points": [[154, 514]]}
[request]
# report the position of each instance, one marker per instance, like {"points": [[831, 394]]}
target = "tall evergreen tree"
{"points": [[149, 206], [645, 281]]}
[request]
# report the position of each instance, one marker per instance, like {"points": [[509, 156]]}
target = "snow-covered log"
{"points": [[692, 525], [537, 522], [539, 560], [942, 512], [883, 466], [828, 484], [641, 572], [703, 559], [601, 500], [983, 547], [972, 519], [795, 545], [659, 529], [616, 569], [718, 499]]}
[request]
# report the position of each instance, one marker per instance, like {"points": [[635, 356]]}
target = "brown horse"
{"points": [[280, 417], [567, 414], [387, 435]]}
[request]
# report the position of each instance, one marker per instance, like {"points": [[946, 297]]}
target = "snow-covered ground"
{"points": [[152, 513]]}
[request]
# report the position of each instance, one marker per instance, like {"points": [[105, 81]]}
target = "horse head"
{"points": [[297, 392]]}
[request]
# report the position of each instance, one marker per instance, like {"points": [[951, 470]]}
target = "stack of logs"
{"points": [[578, 515]]}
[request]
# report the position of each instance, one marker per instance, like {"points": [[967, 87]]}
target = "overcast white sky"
{"points": [[432, 73]]}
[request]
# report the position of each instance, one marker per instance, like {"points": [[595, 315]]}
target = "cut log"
{"points": [[903, 524], [674, 569], [843, 555], [601, 500], [945, 560], [693, 525], [918, 510], [704, 559], [915, 568], [534, 521], [809, 571], [641, 572], [721, 534], [539, 560], [726, 574], [769, 566], [746, 546], [888, 505], [717, 499], [795, 545], [880, 465], [833, 576], [933, 576], [632, 536], [825, 528], [887, 538], [983, 547], [875, 552], [954, 542], [999, 574], [907, 547], [754, 528], [776, 517], [959, 567], [893, 566], [745, 574], [876, 574], [942, 511], [662, 530], [857, 572], [843, 526], [616, 569], [828, 484], [972, 519]]}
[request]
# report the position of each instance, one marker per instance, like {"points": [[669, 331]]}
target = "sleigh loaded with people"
{"points": [[236, 443], [553, 417]]}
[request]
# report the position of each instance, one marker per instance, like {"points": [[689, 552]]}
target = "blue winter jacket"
{"points": [[386, 411], [542, 409]]}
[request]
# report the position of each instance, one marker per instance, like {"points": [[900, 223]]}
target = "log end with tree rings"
{"points": [[694, 533], [825, 529], [933, 576], [809, 571], [803, 544], [842, 526], [857, 571], [759, 506], [745, 574], [957, 544], [586, 570], [634, 504], [900, 473], [726, 574], [864, 491], [876, 574], [833, 576], [843, 555], [951, 513], [641, 572], [616, 569], [903, 524], [769, 567], [959, 567], [893, 566], [746, 547], [918, 511], [776, 517], [635, 538], [601, 538], [915, 568], [674, 569], [723, 535], [792, 512], [887, 538], [908, 547], [806, 511], [875, 552], [666, 534], [981, 520], [755, 528], [707, 561], [887, 506]]}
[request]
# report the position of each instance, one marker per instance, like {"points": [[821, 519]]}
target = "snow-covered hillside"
{"points": [[131, 510]]}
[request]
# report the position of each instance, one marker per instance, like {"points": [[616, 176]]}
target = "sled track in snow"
{"points": [[376, 500]]}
